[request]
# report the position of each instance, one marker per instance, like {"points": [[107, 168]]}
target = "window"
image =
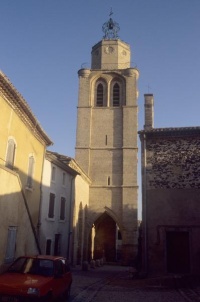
{"points": [[100, 95], [108, 180], [57, 244], [30, 172], [51, 205], [53, 174], [116, 95], [11, 242], [10, 156], [48, 247], [62, 208]]}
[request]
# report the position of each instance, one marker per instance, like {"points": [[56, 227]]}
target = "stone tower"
{"points": [[106, 148]]}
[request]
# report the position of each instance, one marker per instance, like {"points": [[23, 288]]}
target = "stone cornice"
{"points": [[22, 109], [170, 132]]}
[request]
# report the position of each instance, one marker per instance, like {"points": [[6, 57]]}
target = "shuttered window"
{"points": [[10, 156], [62, 208], [30, 172], [51, 205]]}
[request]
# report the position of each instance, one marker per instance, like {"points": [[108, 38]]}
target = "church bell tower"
{"points": [[106, 147]]}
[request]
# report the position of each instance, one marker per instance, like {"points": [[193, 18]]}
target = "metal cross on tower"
{"points": [[110, 28]]}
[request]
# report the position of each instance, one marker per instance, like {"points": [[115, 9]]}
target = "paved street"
{"points": [[114, 283]]}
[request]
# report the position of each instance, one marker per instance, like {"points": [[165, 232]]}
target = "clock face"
{"points": [[109, 49]]}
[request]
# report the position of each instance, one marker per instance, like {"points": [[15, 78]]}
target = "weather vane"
{"points": [[110, 28]]}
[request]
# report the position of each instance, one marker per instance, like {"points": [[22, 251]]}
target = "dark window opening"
{"points": [[116, 95], [99, 95]]}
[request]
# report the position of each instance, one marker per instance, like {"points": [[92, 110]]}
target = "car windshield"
{"points": [[33, 266]]}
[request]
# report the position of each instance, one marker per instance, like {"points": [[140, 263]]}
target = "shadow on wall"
{"points": [[18, 235]]}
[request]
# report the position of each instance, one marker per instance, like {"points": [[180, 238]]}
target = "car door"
{"points": [[59, 282]]}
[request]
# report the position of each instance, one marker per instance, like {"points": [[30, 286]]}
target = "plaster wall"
{"points": [[26, 144], [51, 226]]}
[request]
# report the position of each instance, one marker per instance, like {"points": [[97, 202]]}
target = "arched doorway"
{"points": [[106, 239]]}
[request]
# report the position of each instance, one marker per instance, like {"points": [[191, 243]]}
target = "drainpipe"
{"points": [[30, 218], [149, 124], [41, 198], [144, 185]]}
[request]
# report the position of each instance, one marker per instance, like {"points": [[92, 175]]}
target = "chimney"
{"points": [[149, 111]]}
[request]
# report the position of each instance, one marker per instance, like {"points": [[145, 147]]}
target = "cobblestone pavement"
{"points": [[114, 283]]}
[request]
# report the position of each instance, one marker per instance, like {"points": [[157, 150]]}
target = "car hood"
{"points": [[15, 283]]}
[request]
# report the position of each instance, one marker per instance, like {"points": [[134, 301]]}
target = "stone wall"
{"points": [[173, 163]]}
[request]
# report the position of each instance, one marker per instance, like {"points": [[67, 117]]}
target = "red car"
{"points": [[36, 278]]}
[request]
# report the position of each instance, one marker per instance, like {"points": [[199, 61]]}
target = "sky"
{"points": [[43, 44]]}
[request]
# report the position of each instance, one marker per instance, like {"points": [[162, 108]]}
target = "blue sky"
{"points": [[43, 44]]}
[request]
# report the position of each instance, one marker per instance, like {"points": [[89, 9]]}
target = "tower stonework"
{"points": [[106, 149]]}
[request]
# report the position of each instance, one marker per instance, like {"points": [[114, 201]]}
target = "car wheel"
{"points": [[48, 298]]}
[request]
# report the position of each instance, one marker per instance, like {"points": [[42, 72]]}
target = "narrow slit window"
{"points": [[116, 95], [108, 180]]}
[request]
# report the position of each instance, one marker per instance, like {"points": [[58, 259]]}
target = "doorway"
{"points": [[105, 238], [178, 251]]}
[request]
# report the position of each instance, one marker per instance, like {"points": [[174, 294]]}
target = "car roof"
{"points": [[47, 257]]}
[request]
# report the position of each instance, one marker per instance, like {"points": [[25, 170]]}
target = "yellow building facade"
{"points": [[23, 144]]}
